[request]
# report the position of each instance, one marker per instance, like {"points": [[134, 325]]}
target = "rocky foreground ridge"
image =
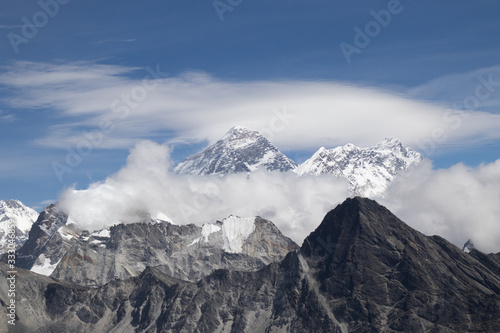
{"points": [[58, 248], [361, 270]]}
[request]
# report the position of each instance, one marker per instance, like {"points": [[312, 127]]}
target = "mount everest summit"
{"points": [[240, 150], [368, 170]]}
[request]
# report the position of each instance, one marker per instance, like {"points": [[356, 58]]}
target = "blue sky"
{"points": [[264, 58]]}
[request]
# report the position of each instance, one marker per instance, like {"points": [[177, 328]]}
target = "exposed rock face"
{"points": [[44, 240], [362, 270], [381, 274], [368, 170], [186, 252], [240, 150]]}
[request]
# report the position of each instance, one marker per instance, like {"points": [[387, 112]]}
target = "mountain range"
{"points": [[58, 248], [368, 170], [361, 270]]}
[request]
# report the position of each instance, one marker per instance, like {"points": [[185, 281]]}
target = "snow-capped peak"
{"points": [[14, 211], [161, 217], [237, 132], [389, 142], [240, 150], [369, 170]]}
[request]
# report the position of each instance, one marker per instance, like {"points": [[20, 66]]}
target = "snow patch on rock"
{"points": [[44, 266], [104, 233], [235, 230]]}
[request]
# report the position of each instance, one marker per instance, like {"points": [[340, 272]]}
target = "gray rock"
{"points": [[361, 270], [125, 250]]}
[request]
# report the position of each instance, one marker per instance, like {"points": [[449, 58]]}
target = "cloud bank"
{"points": [[128, 104], [144, 187], [456, 203]]}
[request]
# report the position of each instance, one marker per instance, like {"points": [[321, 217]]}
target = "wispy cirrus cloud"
{"points": [[195, 106], [7, 117], [473, 90]]}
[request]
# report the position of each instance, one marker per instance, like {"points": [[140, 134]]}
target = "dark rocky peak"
{"points": [[372, 273], [43, 231], [358, 220], [50, 219], [366, 259], [468, 246]]}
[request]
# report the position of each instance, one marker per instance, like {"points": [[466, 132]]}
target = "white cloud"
{"points": [[296, 204], [6, 117], [456, 203], [194, 107], [477, 89]]}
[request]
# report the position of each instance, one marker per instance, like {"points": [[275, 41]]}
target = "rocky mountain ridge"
{"points": [[361, 270], [188, 252]]}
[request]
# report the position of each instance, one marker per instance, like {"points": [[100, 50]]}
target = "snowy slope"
{"points": [[23, 218], [240, 150], [235, 231], [369, 170]]}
